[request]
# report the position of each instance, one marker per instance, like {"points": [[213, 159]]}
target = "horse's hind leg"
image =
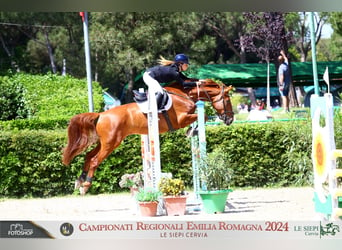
{"points": [[102, 153], [83, 177]]}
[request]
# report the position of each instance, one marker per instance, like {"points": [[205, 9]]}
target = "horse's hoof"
{"points": [[83, 190], [84, 187], [192, 131], [78, 184]]}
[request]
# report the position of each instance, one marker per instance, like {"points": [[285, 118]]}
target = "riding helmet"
{"points": [[181, 58]]}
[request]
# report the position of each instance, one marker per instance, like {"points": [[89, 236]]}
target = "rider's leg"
{"points": [[152, 84]]}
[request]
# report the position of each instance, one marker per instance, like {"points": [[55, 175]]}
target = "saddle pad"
{"points": [[144, 105]]}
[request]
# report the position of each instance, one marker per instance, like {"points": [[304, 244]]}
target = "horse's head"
{"points": [[218, 95]]}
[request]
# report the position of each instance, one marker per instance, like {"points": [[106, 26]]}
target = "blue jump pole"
{"points": [[198, 148], [195, 163], [201, 132]]}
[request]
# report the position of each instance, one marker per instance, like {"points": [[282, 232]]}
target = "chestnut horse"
{"points": [[109, 128]]}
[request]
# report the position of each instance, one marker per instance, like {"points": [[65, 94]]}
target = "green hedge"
{"points": [[270, 154], [34, 124], [46, 96], [260, 155], [12, 99]]}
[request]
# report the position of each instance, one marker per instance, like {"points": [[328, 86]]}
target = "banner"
{"points": [[169, 230]]}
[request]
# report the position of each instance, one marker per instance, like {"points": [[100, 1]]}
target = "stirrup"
{"points": [[139, 96]]}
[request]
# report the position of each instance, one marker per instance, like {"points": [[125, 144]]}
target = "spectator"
{"points": [[284, 80]]}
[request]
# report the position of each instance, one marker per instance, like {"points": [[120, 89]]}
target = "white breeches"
{"points": [[153, 85]]}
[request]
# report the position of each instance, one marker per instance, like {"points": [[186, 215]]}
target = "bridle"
{"points": [[225, 109], [226, 116], [226, 112]]}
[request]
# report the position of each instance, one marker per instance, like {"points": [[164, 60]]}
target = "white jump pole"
{"points": [[151, 146]]}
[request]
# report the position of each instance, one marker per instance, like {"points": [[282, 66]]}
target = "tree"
{"points": [[38, 42], [329, 49], [266, 36], [335, 19], [12, 41], [124, 44], [58, 36], [333, 46], [229, 27], [298, 24]]}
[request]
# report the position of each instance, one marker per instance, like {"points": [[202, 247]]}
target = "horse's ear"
{"points": [[229, 88]]}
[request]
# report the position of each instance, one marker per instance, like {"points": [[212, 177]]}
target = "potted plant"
{"points": [[173, 195], [148, 201], [215, 178], [132, 181]]}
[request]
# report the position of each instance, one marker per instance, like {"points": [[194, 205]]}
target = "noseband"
{"points": [[225, 109], [226, 112]]}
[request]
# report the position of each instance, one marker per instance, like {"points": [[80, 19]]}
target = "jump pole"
{"points": [[198, 149], [201, 135], [150, 146]]}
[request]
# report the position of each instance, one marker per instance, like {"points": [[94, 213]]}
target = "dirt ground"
{"points": [[253, 205]]}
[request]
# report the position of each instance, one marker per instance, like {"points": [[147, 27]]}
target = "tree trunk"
{"points": [[129, 94], [292, 93], [49, 48], [13, 62], [242, 55]]}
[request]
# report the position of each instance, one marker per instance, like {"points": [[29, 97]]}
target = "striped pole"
{"points": [[151, 146]]}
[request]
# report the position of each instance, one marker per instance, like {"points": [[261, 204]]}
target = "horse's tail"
{"points": [[81, 134]]}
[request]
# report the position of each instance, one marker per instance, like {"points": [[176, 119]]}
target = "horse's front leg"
{"points": [[193, 130], [187, 119]]}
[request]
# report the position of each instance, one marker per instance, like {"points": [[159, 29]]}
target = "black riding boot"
{"points": [[160, 98]]}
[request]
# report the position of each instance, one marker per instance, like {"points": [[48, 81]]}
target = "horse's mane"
{"points": [[208, 83]]}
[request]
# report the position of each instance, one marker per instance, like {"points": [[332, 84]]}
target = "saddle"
{"points": [[164, 101]]}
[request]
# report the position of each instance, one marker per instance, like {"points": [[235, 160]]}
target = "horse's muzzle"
{"points": [[226, 119]]}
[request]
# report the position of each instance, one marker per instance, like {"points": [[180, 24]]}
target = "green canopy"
{"points": [[255, 74]]}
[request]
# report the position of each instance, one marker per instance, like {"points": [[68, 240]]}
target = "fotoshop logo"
{"points": [[66, 229], [17, 229], [23, 229]]}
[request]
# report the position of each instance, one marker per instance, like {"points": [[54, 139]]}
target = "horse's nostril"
{"points": [[228, 120]]}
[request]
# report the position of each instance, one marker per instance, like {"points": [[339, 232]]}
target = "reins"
{"points": [[226, 111], [206, 98]]}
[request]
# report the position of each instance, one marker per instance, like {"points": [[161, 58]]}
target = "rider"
{"points": [[167, 72]]}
